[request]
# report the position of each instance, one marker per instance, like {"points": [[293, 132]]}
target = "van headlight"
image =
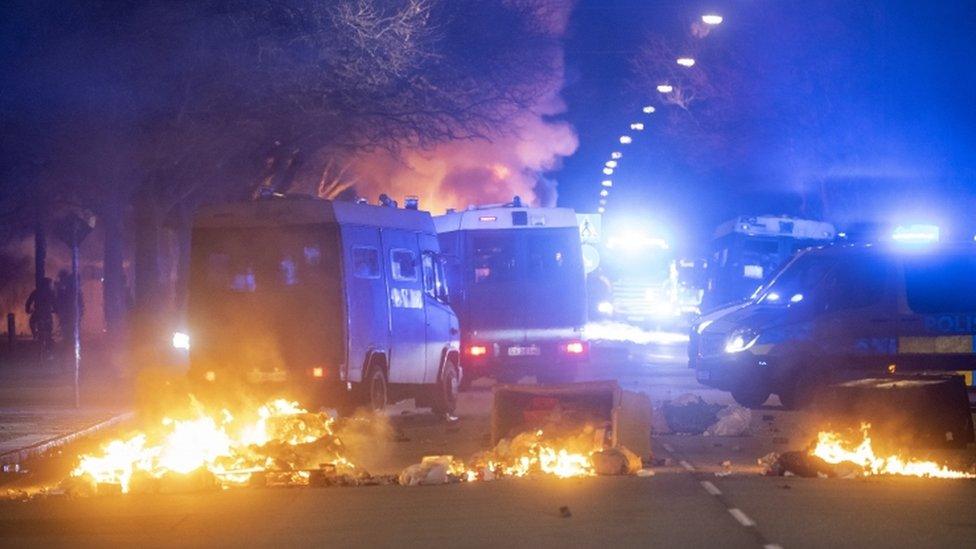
{"points": [[740, 340]]}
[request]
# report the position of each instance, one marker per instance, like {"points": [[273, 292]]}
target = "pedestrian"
{"points": [[65, 304], [40, 307]]}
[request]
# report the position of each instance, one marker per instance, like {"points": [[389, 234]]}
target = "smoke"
{"points": [[511, 162]]}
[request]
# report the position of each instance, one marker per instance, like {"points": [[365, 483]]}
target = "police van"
{"points": [[518, 287], [334, 301], [843, 312]]}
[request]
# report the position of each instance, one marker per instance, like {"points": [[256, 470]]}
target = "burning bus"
{"points": [[329, 301], [518, 289]]}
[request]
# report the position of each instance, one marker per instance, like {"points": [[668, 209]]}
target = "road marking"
{"points": [[668, 447], [711, 488], [772, 546], [743, 518], [686, 465]]}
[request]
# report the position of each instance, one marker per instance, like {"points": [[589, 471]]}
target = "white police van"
{"points": [[519, 289], [843, 312], [333, 301]]}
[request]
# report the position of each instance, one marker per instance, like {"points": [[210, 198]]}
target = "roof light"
{"points": [[648, 109], [916, 233], [665, 88], [626, 139], [712, 19], [487, 218], [685, 61]]}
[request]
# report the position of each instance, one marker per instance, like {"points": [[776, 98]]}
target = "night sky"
{"points": [[886, 89]]}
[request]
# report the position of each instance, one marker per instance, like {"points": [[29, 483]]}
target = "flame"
{"points": [[833, 449], [532, 452], [230, 448]]}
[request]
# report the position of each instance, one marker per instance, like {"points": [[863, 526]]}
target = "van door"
{"points": [[438, 313], [858, 329], [937, 313], [366, 296], [407, 319]]}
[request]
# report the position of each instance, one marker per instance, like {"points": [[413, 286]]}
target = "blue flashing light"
{"points": [[916, 234]]}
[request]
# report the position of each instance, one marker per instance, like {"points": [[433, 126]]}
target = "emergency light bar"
{"points": [[916, 233]]}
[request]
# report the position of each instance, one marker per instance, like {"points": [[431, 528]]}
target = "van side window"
{"points": [[404, 264], [430, 277], [940, 284], [365, 262], [856, 283], [441, 283]]}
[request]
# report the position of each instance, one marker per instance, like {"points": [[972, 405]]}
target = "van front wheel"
{"points": [[752, 397], [446, 390]]}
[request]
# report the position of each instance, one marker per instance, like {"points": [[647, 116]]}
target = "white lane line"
{"points": [[711, 488], [772, 546], [686, 465], [743, 518], [668, 447]]}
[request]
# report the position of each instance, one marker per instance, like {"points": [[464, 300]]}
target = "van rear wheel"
{"points": [[446, 390], [376, 389]]}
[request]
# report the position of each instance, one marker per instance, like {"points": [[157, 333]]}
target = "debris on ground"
{"points": [[616, 461], [690, 414], [801, 464], [564, 512], [733, 421]]}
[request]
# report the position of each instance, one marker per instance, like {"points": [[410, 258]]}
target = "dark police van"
{"points": [[843, 312], [519, 289], [334, 301]]}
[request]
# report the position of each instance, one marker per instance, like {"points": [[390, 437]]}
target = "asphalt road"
{"points": [[691, 501]]}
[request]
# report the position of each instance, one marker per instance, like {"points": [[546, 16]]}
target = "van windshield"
{"points": [[266, 296], [803, 274]]}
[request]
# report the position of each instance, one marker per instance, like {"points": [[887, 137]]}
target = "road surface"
{"points": [[684, 504]]}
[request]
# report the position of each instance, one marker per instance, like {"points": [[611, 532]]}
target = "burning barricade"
{"points": [[833, 455]]}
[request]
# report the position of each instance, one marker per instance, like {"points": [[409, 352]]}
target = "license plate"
{"points": [[530, 350], [276, 376]]}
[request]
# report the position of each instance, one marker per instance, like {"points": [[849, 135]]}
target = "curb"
{"points": [[15, 457]]}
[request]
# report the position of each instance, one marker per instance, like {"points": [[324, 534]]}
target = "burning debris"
{"points": [[218, 449], [833, 456]]}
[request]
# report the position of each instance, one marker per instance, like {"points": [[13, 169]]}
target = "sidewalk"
{"points": [[37, 409]]}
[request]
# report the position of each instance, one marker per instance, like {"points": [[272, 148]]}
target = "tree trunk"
{"points": [[116, 293], [148, 228]]}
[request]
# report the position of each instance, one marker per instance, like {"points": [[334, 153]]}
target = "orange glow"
{"points": [[210, 375], [318, 371], [833, 449]]}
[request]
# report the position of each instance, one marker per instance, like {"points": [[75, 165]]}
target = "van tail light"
{"points": [[477, 350], [576, 348]]}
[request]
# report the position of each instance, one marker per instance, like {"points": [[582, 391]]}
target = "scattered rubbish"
{"points": [[616, 461], [564, 512], [733, 421], [726, 469], [801, 464], [690, 414]]}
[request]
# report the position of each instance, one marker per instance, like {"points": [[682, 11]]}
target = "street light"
{"points": [[665, 88], [601, 209], [685, 62], [637, 126], [616, 155], [648, 109], [608, 171], [712, 19], [604, 193], [625, 140], [611, 163], [603, 201], [607, 183]]}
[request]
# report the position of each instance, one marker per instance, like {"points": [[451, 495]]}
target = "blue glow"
{"points": [[916, 233]]}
